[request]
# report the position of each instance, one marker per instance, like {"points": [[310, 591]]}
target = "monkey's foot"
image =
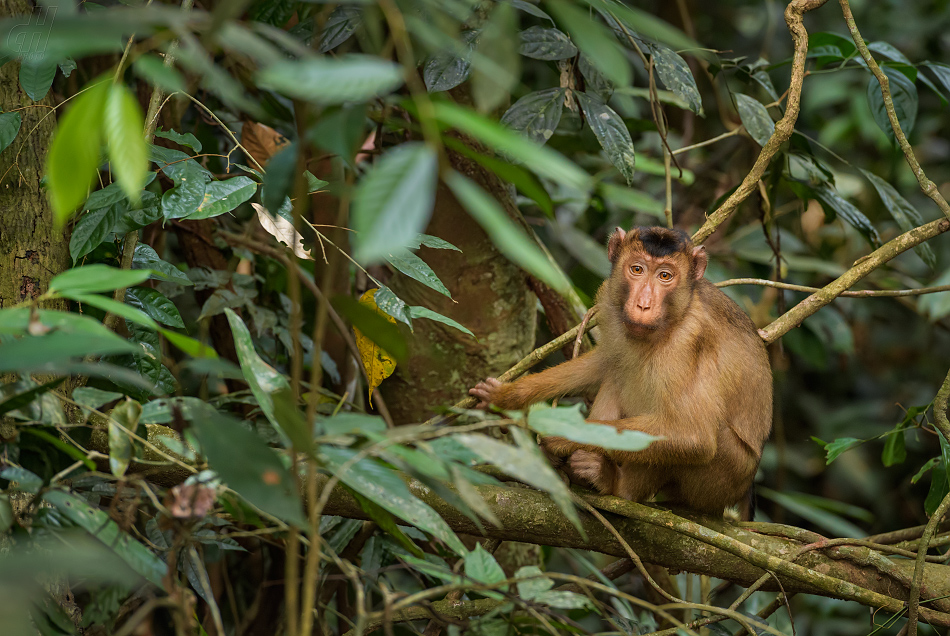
{"points": [[592, 469]]}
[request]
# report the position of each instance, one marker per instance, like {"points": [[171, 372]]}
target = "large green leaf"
{"points": [[325, 80], [223, 196], [537, 114], [124, 129], [447, 69], [341, 24], [756, 119], [905, 99], [93, 279], [92, 229], [383, 487], [36, 75], [507, 237], [122, 310], [425, 312], [73, 159], [9, 127], [145, 257], [594, 39], [393, 202], [191, 181], [525, 463], [279, 179], [248, 465], [836, 204], [154, 71], [568, 422], [497, 45], [544, 161], [153, 303], [546, 44], [263, 379], [611, 133], [904, 213], [417, 269], [675, 74]]}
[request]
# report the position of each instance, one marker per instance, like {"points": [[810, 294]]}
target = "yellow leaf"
{"points": [[379, 364]]}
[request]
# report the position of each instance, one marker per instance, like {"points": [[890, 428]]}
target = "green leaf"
{"points": [[94, 398], [93, 227], [124, 131], [542, 160], [895, 451], [430, 241], [186, 139], [73, 159], [482, 567], [223, 196], [36, 75], [546, 44], [568, 422], [247, 464], [563, 599], [279, 179], [25, 398], [425, 312], [939, 487], [447, 69], [507, 237], [383, 487], [341, 24], [594, 40], [904, 96], [628, 199], [527, 7], [189, 345], [525, 463], [262, 378], [594, 81], [314, 184], [123, 310], [675, 74], [32, 352], [498, 74], [839, 446], [191, 180], [145, 257], [373, 326], [325, 80], [393, 201], [393, 305], [416, 269], [155, 304], [165, 410], [123, 420], [655, 28], [833, 202], [97, 523], [928, 465], [530, 589], [611, 133], [154, 71], [92, 279], [889, 51], [904, 213], [292, 421], [536, 115], [9, 128], [755, 117]]}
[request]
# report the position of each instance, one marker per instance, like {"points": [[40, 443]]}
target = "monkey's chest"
{"points": [[616, 401]]}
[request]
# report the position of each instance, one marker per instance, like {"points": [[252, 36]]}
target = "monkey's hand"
{"points": [[486, 392], [592, 469]]}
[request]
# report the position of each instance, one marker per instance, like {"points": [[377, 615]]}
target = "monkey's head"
{"points": [[654, 271]]}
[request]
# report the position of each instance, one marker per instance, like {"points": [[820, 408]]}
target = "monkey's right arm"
{"points": [[578, 376]]}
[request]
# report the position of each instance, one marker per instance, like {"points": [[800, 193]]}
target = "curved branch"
{"points": [[784, 127], [862, 293], [794, 316]]}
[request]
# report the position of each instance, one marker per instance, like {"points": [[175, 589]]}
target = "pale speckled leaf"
{"points": [[155, 304], [341, 24], [593, 39], [905, 98], [263, 379], [384, 487], [675, 74], [755, 117], [417, 269], [830, 198], [904, 213], [448, 69], [525, 463], [568, 422], [223, 196], [537, 114], [546, 44], [611, 132], [393, 305]]}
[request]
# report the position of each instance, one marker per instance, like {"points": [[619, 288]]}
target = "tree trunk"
{"points": [[31, 252]]}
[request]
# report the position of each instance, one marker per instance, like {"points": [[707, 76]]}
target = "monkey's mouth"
{"points": [[639, 328]]}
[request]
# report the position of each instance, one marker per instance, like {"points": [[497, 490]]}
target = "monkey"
{"points": [[677, 359]]}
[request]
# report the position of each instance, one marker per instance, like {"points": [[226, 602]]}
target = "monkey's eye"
{"points": [[636, 269], [666, 277]]}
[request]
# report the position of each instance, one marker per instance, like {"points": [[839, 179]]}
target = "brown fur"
{"points": [[678, 360]]}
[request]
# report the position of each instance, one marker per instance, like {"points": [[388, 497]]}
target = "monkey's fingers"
{"points": [[484, 393]]}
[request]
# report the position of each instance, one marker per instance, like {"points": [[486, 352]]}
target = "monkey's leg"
{"points": [[593, 470], [578, 376], [639, 483]]}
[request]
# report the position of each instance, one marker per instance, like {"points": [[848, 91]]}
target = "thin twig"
{"points": [[863, 293]]}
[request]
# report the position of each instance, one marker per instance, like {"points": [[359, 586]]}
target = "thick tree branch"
{"points": [[784, 127]]}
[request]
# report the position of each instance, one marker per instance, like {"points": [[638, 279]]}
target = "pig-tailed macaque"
{"points": [[676, 359]]}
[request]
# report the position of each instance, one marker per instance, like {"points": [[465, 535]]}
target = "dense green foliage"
{"points": [[172, 424]]}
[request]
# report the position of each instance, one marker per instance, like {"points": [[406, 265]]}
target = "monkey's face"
{"points": [[654, 287]]}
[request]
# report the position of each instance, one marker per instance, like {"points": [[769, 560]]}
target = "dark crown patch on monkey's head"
{"points": [[660, 241]]}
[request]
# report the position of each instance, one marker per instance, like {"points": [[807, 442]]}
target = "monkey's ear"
{"points": [[699, 261], [613, 245]]}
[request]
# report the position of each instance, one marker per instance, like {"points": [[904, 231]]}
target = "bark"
{"points": [[491, 298], [31, 252]]}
